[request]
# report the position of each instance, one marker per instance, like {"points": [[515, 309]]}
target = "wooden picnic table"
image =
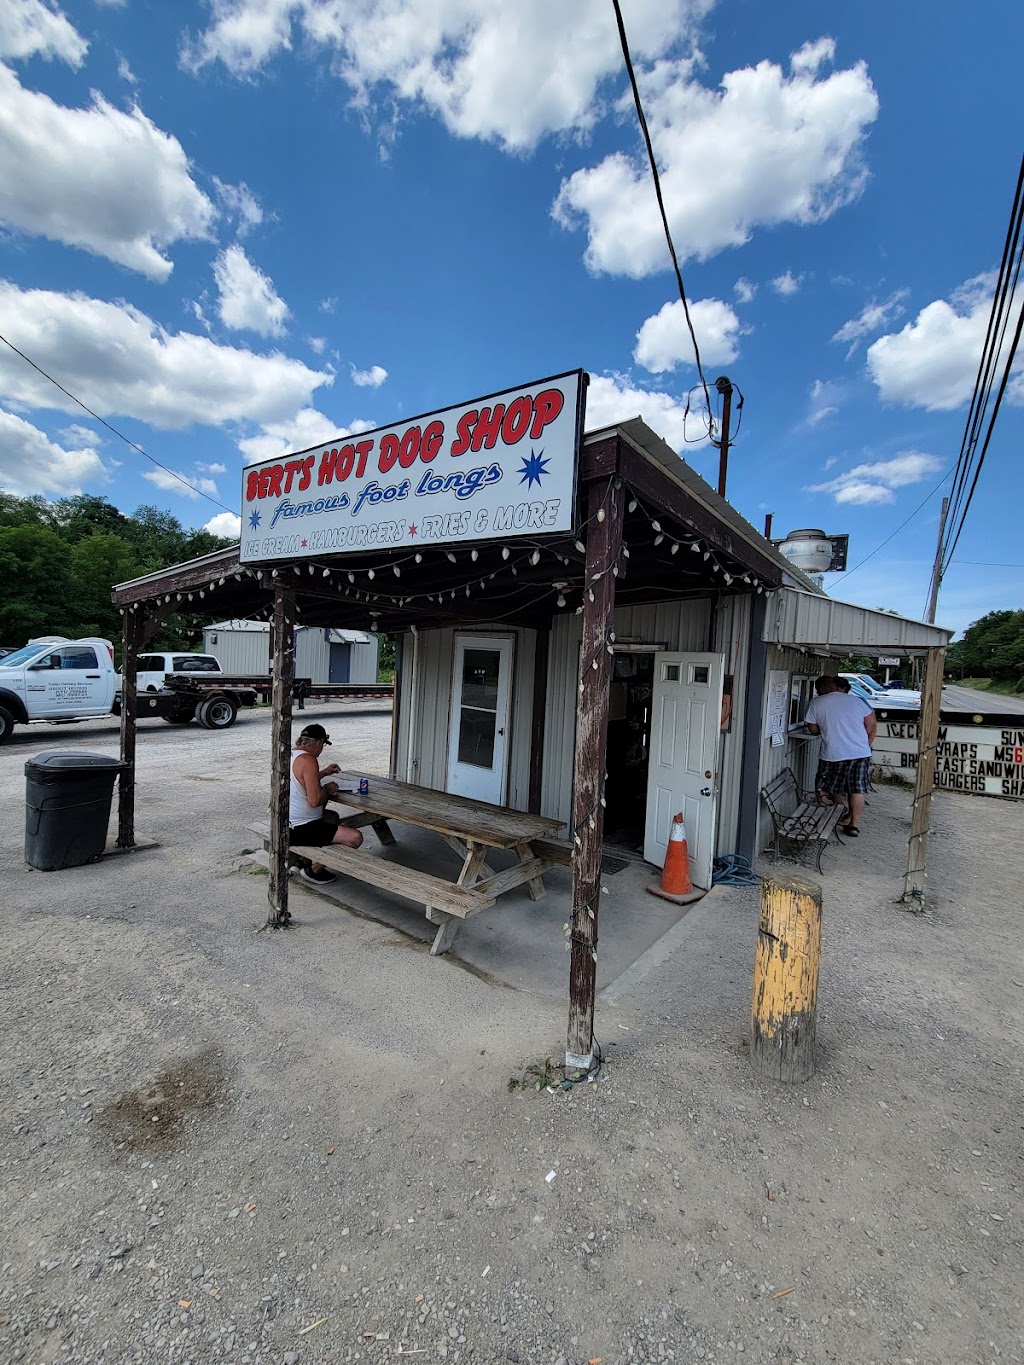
{"points": [[472, 828]]}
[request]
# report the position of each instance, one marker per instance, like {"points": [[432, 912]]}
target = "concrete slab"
{"points": [[517, 942]]}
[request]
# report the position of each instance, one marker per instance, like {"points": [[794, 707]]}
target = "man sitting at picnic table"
{"points": [[311, 823], [847, 727]]}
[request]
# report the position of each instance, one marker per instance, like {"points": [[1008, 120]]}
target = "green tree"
{"points": [[38, 597], [993, 647], [98, 562]]}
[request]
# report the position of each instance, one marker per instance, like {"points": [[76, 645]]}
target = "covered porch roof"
{"points": [[680, 539], [816, 624]]}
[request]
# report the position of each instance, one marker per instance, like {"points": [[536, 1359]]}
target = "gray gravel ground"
{"points": [[222, 1145]]}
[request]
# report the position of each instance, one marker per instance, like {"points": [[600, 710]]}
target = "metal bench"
{"points": [[798, 818]]}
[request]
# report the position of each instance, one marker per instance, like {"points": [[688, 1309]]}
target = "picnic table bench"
{"points": [[473, 829], [798, 817]]}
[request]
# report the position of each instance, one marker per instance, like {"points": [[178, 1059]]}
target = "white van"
{"points": [[153, 668]]}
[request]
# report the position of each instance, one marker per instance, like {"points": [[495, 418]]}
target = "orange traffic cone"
{"points": [[675, 877]]}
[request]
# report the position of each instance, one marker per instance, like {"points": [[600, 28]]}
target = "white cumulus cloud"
{"points": [[31, 463], [791, 146], [615, 398], [663, 342], [824, 403], [107, 181], [787, 284], [248, 300], [875, 482], [745, 290], [372, 378], [871, 318], [933, 362], [300, 431], [226, 524], [185, 485], [118, 360], [508, 73], [241, 204], [29, 28]]}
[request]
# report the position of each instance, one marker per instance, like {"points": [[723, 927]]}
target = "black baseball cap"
{"points": [[315, 732]]}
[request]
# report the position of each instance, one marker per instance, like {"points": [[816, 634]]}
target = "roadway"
{"points": [[956, 698]]}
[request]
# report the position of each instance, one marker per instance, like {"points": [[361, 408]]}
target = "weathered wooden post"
{"points": [[927, 742], [281, 744], [784, 1010], [604, 545], [131, 641]]}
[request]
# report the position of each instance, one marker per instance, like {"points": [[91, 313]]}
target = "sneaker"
{"points": [[320, 878]]}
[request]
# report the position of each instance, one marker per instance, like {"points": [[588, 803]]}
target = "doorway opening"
{"points": [[629, 750]]}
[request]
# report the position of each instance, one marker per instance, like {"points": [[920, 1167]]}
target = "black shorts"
{"points": [[316, 833]]}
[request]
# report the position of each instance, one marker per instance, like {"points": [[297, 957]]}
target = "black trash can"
{"points": [[67, 807]]}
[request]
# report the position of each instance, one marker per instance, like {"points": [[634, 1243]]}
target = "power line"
{"points": [[995, 340], [895, 533], [119, 434], [987, 564], [661, 202]]}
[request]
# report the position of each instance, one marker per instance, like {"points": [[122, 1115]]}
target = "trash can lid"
{"points": [[53, 761]]}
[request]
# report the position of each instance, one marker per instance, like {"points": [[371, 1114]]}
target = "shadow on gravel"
{"points": [[156, 1117]]}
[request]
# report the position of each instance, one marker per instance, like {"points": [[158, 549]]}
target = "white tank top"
{"points": [[300, 812]]}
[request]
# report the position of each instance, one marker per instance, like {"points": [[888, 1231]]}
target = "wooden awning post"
{"points": [[131, 642], [603, 558], [281, 746], [928, 738]]}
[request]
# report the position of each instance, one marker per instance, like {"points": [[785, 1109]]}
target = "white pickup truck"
{"points": [[58, 680]]}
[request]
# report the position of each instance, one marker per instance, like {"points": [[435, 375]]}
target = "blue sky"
{"points": [[240, 227]]}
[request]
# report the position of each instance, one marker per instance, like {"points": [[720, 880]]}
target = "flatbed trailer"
{"points": [[214, 700]]}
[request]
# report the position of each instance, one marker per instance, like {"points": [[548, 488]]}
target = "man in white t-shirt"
{"points": [[847, 727]]}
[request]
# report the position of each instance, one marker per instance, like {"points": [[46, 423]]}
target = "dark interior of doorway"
{"points": [[629, 745]]}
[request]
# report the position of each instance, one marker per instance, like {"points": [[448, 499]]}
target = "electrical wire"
{"points": [[898, 529], [119, 434], [991, 426], [969, 462], [661, 202]]}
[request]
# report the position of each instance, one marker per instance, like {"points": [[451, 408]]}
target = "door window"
{"points": [[478, 719]]}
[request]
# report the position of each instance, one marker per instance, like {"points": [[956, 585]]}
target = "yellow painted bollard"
{"points": [[784, 1010]]}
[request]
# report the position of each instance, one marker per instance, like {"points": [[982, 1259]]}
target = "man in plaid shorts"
{"points": [[847, 727]]}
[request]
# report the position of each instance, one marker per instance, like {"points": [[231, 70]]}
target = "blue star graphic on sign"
{"points": [[254, 521], [533, 469]]}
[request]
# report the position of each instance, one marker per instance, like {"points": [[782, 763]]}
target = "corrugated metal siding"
{"points": [[804, 618], [239, 651], [799, 754], [732, 639], [676, 625], [248, 651], [422, 749], [364, 662]]}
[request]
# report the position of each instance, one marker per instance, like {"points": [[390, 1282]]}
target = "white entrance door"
{"points": [[683, 774], [478, 732]]}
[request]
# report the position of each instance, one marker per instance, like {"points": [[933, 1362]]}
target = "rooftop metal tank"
{"points": [[808, 549]]}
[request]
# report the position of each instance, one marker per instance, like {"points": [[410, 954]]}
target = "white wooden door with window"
{"points": [[686, 725], [478, 733]]}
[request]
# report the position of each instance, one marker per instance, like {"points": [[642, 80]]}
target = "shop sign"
{"points": [[497, 468], [985, 759]]}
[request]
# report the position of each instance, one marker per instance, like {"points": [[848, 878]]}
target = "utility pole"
{"points": [[936, 581], [724, 387]]}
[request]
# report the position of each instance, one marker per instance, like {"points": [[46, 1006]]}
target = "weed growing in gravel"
{"points": [[535, 1077]]}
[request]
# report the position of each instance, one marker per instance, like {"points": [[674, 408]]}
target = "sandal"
{"points": [[851, 831]]}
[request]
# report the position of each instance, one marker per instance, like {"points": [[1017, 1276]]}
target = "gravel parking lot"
{"points": [[225, 1145]]}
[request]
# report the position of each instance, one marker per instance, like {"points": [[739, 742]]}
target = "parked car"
{"points": [[896, 685], [863, 685]]}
